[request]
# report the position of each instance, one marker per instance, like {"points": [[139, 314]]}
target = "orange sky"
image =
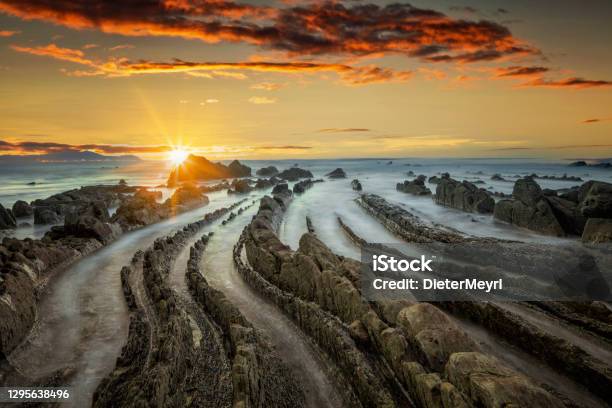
{"points": [[310, 79]]}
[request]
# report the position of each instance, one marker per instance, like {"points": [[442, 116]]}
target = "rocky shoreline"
{"points": [[26, 265]]}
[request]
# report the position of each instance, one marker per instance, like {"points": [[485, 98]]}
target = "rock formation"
{"points": [[198, 168], [416, 186], [337, 173], [294, 174], [7, 220], [558, 214], [267, 171], [356, 185], [463, 196], [22, 209]]}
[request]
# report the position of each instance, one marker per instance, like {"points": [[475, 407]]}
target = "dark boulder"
{"points": [[281, 188], [497, 177], [240, 187], [91, 221], [531, 209], [416, 186], [7, 220], [463, 196], [22, 209], [597, 230], [595, 199], [238, 169], [267, 171], [337, 173], [302, 186], [356, 185], [45, 216], [294, 174]]}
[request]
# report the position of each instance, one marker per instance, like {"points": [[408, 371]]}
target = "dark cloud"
{"points": [[317, 28], [30, 147], [518, 71], [577, 83], [343, 130]]}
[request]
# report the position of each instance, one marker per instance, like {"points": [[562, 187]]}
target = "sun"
{"points": [[177, 156]]}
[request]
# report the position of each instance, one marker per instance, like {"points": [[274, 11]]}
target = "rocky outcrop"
{"points": [[415, 187], [240, 187], [294, 174], [356, 185], [197, 168], [237, 169], [421, 347], [7, 220], [597, 230], [281, 188], [497, 177], [45, 216], [337, 173], [529, 209], [582, 163], [22, 209], [464, 196], [563, 177], [556, 214], [302, 186], [92, 221], [267, 171]]}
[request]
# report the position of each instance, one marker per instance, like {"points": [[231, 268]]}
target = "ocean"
{"points": [[32, 181]]}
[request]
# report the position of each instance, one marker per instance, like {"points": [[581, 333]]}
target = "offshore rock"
{"points": [[416, 186], [337, 173], [294, 174], [267, 171], [463, 196], [198, 168], [22, 209], [7, 221], [356, 185]]}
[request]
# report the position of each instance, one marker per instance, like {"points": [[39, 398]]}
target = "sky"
{"points": [[307, 79]]}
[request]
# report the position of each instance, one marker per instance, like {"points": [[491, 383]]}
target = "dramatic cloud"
{"points": [[316, 28], [261, 100], [343, 130], [122, 67], [28, 147], [518, 71], [578, 83], [8, 33]]}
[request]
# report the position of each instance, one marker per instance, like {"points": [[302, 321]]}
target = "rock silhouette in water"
{"points": [[198, 168], [337, 173]]}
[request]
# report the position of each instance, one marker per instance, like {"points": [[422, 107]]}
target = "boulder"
{"points": [[302, 186], [497, 177], [281, 188], [463, 196], [238, 169], [188, 195], [337, 173], [22, 209], [294, 174], [527, 191], [45, 216], [198, 168], [567, 213], [91, 222], [356, 185], [416, 186], [241, 186], [597, 230], [267, 171], [595, 199], [488, 383], [532, 210], [7, 220]]}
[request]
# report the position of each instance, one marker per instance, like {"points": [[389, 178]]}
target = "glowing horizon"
{"points": [[471, 81]]}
